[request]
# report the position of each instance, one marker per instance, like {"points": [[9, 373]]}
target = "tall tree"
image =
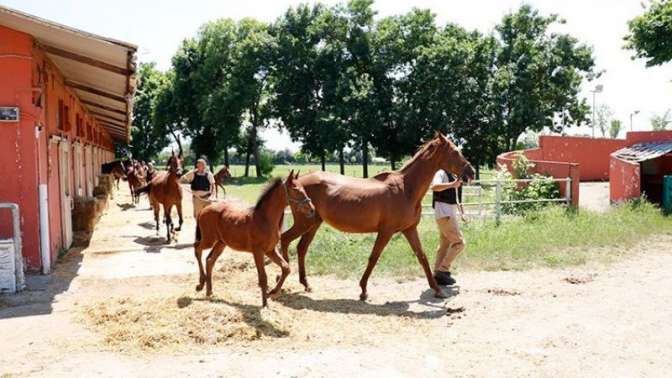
{"points": [[602, 117], [148, 137], [615, 128], [650, 33], [659, 122], [303, 72], [538, 77]]}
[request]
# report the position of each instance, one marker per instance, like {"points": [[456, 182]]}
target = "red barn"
{"points": [[65, 100]]}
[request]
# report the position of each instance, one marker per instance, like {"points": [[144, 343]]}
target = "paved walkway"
{"points": [[594, 196]]}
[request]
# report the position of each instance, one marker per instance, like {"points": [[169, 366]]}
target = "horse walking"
{"points": [[165, 190], [386, 204], [220, 178], [250, 229], [117, 169], [136, 180]]}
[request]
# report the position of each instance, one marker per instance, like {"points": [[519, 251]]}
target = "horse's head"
{"points": [[226, 172], [450, 158], [296, 196], [175, 164]]}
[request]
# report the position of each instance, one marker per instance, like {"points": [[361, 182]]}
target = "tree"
{"points": [[615, 128], [537, 77], [650, 33], [305, 78], [148, 137], [659, 122], [602, 116], [208, 109], [165, 113]]}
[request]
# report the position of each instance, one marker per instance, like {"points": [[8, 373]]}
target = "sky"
{"points": [[158, 27]]}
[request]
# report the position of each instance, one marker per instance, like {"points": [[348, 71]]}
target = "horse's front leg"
{"points": [[381, 241], [155, 207], [274, 255], [210, 264], [178, 206], [302, 250], [261, 272], [411, 235], [169, 222]]}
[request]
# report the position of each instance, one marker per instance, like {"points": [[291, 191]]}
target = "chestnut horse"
{"points": [[165, 190], [386, 204], [117, 169], [220, 178], [250, 229], [136, 180]]}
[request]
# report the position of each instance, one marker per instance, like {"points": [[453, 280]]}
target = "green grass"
{"points": [[553, 237]]}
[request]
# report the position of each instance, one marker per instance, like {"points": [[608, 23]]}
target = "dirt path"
{"points": [[586, 321]]}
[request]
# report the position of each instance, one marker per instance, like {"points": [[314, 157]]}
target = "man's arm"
{"points": [[187, 178], [445, 186]]}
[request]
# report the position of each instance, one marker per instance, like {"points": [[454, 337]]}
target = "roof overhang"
{"points": [[643, 151], [100, 70]]}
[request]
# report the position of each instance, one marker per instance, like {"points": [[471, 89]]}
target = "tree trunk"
{"points": [[341, 161], [323, 161], [177, 140], [247, 164], [365, 159], [226, 156], [478, 171], [393, 166]]}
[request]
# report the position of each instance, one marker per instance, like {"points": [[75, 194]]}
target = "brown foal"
{"points": [[386, 204], [250, 229], [220, 178]]}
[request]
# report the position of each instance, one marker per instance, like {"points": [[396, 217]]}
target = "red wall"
{"points": [[634, 137], [26, 157], [592, 154], [18, 155], [624, 180]]}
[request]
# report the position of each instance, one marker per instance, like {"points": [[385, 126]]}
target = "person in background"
{"points": [[151, 172], [202, 185], [447, 201]]}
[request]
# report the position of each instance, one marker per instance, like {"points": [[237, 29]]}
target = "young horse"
{"points": [[117, 169], [220, 178], [255, 229], [386, 204], [136, 180], [165, 190]]}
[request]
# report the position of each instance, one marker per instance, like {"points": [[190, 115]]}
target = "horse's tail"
{"points": [[144, 189]]}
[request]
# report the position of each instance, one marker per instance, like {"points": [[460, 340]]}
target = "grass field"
{"points": [[553, 237]]}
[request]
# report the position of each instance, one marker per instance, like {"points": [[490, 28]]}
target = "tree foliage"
{"points": [[650, 33], [147, 136]]}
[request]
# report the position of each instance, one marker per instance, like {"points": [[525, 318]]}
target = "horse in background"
{"points": [[117, 169], [220, 178], [386, 204], [136, 180], [165, 191], [250, 229]]}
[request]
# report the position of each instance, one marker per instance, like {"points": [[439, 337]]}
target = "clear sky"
{"points": [[159, 26]]}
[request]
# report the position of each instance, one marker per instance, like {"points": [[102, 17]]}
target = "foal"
{"points": [[253, 229], [220, 178]]}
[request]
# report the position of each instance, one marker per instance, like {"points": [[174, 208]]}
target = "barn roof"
{"points": [[100, 70], [644, 151]]}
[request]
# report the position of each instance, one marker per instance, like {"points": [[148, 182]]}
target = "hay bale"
{"points": [[84, 214]]}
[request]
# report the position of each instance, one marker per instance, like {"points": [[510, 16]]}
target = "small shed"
{"points": [[639, 169]]}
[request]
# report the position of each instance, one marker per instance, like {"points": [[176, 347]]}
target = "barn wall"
{"points": [[18, 155], [29, 148], [624, 180], [634, 137]]}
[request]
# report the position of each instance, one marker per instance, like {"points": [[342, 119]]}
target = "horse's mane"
{"points": [[266, 192], [420, 151]]}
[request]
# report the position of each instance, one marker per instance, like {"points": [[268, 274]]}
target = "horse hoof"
{"points": [[439, 294], [208, 294], [308, 289], [274, 294], [199, 287], [363, 297]]}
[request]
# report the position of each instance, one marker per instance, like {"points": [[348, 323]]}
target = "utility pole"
{"points": [[598, 89], [632, 114]]}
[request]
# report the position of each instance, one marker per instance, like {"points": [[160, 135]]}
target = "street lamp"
{"points": [[598, 89], [633, 114]]}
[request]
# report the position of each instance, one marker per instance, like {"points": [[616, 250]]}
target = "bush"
{"points": [[541, 187], [266, 165]]}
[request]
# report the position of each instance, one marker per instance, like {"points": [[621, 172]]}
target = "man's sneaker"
{"points": [[444, 278]]}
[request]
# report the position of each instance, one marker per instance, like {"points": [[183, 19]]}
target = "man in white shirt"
{"points": [[447, 201], [202, 185]]}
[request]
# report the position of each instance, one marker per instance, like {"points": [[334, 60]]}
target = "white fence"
{"points": [[479, 202]]}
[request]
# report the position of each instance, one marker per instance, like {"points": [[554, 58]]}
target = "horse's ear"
{"points": [[291, 176], [172, 152], [297, 174]]}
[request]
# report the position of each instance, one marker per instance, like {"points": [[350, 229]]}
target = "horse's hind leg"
{"points": [[274, 255], [217, 250], [169, 222], [155, 207], [302, 250], [261, 272]]}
